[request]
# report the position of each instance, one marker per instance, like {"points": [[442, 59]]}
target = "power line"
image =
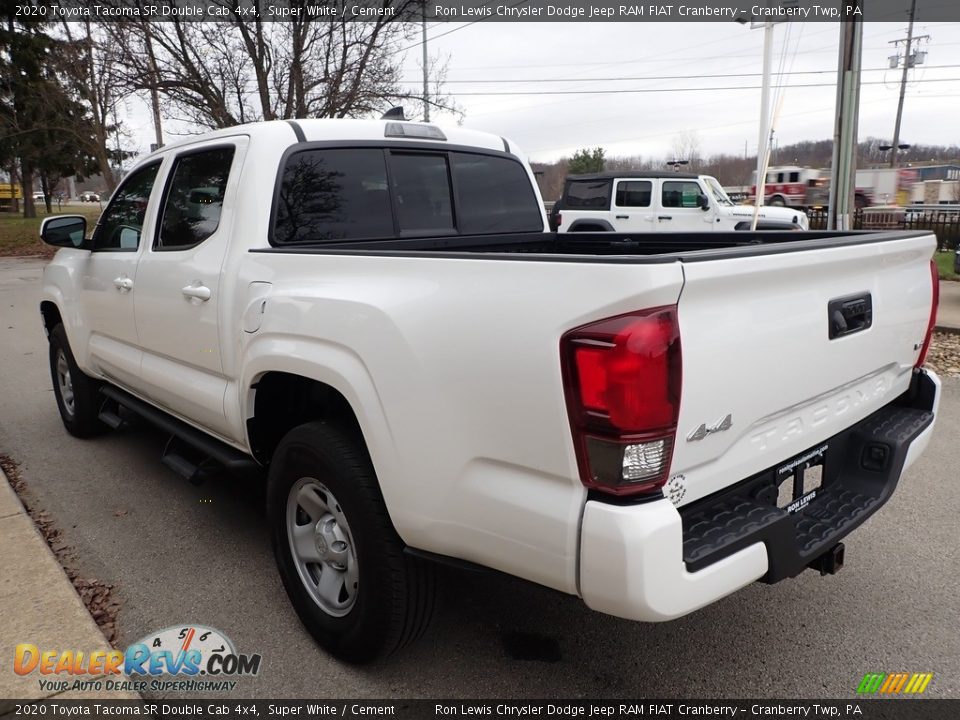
{"points": [[623, 91], [659, 77], [450, 32]]}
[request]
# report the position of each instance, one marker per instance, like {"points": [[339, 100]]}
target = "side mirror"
{"points": [[703, 202], [64, 231]]}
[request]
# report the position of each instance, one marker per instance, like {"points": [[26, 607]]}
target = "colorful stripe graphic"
{"points": [[894, 683]]}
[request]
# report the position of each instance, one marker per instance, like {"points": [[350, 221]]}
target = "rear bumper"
{"points": [[653, 562]]}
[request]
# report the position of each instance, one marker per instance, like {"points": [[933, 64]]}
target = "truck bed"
{"points": [[608, 247]]}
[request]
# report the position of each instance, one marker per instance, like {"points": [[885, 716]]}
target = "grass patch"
{"points": [[20, 236], [945, 265]]}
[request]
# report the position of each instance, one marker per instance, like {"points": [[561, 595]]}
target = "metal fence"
{"points": [[945, 224]]}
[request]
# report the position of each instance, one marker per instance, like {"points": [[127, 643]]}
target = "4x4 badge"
{"points": [[701, 432]]}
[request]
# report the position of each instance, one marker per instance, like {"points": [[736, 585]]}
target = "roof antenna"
{"points": [[394, 113]]}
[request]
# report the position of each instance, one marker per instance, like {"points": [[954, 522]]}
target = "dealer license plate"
{"points": [[799, 480]]}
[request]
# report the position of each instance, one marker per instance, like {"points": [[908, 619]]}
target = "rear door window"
{"points": [[191, 210], [634, 193], [587, 195]]}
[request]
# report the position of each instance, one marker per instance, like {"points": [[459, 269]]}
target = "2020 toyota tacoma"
{"points": [[374, 312]]}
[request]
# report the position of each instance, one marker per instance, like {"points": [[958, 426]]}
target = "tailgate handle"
{"points": [[849, 314]]}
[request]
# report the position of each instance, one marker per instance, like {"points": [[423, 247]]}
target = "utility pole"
{"points": [[426, 79], [843, 168], [154, 92], [909, 61]]}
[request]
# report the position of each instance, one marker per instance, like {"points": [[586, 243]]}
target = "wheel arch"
{"points": [[590, 225], [283, 400], [51, 315]]}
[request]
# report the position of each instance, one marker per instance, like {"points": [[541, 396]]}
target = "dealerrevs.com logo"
{"points": [[186, 657]]}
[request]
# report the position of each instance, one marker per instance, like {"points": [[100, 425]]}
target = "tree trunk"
{"points": [[26, 182], [45, 186]]}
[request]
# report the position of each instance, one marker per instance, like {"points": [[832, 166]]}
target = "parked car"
{"points": [[660, 202], [374, 313], [38, 197], [89, 196]]}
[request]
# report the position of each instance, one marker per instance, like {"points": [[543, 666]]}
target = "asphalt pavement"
{"points": [[179, 554]]}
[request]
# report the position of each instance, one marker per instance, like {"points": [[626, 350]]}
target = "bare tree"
{"points": [[92, 73], [219, 74], [686, 146]]}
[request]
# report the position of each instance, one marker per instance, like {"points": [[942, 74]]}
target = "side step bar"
{"points": [[110, 415], [230, 458]]}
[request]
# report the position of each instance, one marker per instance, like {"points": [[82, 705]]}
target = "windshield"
{"points": [[718, 194]]}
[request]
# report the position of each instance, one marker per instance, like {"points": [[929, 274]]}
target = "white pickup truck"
{"points": [[374, 312], [660, 202]]}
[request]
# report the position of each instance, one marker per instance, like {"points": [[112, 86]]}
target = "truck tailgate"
{"points": [[768, 372]]}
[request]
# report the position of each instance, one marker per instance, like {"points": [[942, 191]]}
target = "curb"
{"points": [[45, 608]]}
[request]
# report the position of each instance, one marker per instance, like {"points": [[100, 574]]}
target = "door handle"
{"points": [[123, 284], [196, 292], [664, 217], [623, 217]]}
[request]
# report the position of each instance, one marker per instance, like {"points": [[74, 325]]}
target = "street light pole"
{"points": [[763, 146]]}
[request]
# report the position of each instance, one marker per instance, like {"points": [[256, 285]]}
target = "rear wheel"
{"points": [[77, 394], [777, 201], [340, 559]]}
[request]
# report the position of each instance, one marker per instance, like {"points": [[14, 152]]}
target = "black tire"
{"points": [[80, 414], [777, 201], [391, 604]]}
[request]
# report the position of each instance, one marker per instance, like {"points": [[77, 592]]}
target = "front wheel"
{"points": [[77, 394], [339, 556], [777, 201]]}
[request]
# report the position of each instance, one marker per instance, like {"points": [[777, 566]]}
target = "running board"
{"points": [[175, 458], [110, 415]]}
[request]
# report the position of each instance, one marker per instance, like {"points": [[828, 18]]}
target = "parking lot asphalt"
{"points": [[179, 554]]}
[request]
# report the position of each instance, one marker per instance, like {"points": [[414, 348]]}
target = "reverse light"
{"points": [[644, 460], [622, 378], [931, 323]]}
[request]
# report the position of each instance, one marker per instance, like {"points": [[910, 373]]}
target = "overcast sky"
{"points": [[566, 56]]}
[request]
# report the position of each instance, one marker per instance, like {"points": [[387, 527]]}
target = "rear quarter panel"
{"points": [[453, 369]]}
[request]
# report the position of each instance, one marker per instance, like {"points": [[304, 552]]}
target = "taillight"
{"points": [[559, 219], [935, 280], [622, 378]]}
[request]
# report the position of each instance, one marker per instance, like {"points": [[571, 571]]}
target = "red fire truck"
{"points": [[800, 187]]}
